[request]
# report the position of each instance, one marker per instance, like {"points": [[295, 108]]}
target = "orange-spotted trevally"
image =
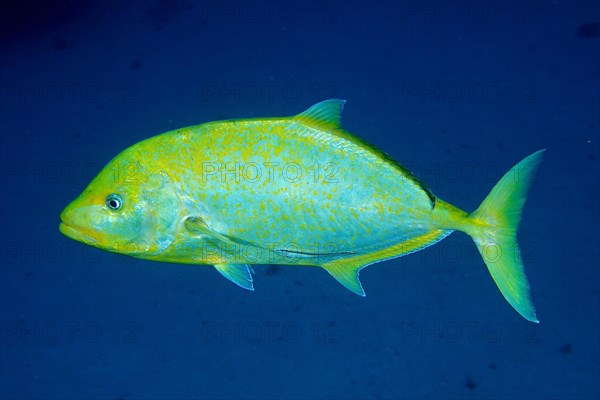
{"points": [[290, 190]]}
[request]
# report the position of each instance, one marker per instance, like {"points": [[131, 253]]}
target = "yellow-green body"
{"points": [[291, 190], [278, 184]]}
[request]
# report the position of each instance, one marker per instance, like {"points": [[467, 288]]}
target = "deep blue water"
{"points": [[456, 91]]}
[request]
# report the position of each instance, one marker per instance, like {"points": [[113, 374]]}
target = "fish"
{"points": [[295, 190]]}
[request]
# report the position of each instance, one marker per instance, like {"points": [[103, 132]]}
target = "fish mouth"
{"points": [[76, 234]]}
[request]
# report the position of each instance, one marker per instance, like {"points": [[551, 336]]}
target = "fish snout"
{"points": [[65, 215], [72, 224]]}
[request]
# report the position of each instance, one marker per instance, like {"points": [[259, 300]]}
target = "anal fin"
{"points": [[346, 270]]}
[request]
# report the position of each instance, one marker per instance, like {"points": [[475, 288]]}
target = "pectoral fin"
{"points": [[197, 226], [240, 274]]}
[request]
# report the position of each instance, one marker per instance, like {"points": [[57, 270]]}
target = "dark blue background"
{"points": [[456, 91]]}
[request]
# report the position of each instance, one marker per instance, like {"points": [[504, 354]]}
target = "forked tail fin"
{"points": [[494, 230]]}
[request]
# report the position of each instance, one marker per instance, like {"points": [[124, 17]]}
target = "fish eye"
{"points": [[114, 201]]}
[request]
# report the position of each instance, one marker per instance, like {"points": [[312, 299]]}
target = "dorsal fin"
{"points": [[325, 115]]}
